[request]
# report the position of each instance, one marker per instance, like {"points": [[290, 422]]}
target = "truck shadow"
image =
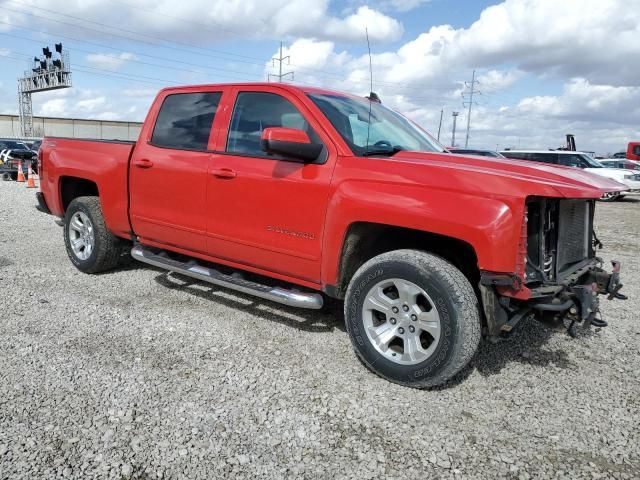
{"points": [[525, 346], [304, 320]]}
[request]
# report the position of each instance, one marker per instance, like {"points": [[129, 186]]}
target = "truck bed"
{"points": [[101, 162]]}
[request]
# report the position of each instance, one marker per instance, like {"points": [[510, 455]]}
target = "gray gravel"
{"points": [[136, 374]]}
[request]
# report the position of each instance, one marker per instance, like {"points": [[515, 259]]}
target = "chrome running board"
{"points": [[193, 269]]}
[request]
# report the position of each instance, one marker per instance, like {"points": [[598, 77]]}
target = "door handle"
{"points": [[223, 173], [143, 163]]}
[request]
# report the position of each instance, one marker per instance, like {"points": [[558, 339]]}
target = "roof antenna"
{"points": [[371, 94]]}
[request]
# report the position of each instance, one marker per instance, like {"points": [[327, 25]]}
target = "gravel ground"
{"points": [[137, 374]]}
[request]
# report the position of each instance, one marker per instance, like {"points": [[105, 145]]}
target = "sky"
{"points": [[544, 68]]}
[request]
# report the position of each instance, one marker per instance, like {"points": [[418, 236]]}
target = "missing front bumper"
{"points": [[577, 299]]}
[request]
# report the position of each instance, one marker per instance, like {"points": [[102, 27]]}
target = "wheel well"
{"points": [[364, 241], [73, 187]]}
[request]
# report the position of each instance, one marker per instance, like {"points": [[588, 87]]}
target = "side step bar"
{"points": [[193, 269]]}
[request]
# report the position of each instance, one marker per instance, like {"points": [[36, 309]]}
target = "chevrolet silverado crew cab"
{"points": [[300, 195]]}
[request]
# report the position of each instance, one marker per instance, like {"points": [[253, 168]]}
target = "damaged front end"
{"points": [[558, 275]]}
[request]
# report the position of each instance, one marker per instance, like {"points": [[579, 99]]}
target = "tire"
{"points": [[106, 249], [446, 332]]}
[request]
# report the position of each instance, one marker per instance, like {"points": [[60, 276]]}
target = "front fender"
{"points": [[490, 225]]}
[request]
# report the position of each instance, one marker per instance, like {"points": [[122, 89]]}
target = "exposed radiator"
{"points": [[573, 233]]}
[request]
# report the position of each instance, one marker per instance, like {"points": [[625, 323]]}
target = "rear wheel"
{"points": [[413, 318], [91, 247]]}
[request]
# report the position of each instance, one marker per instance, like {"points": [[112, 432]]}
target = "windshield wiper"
{"points": [[382, 151]]}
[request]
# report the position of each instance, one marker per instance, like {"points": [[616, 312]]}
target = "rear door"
{"points": [[168, 173], [267, 211]]}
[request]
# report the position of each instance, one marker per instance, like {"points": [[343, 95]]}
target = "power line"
{"points": [[110, 32], [280, 59], [102, 45], [239, 58], [472, 90]]}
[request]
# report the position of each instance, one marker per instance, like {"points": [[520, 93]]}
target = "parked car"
{"points": [[13, 153], [620, 163], [475, 151], [585, 162], [303, 194]]}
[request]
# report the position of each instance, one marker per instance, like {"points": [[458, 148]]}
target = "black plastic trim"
{"points": [[42, 204]]}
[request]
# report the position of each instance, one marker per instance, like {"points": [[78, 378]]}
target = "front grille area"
{"points": [[559, 234]]}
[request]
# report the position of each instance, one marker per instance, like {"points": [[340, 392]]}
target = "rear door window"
{"points": [[572, 161], [185, 119], [544, 157]]}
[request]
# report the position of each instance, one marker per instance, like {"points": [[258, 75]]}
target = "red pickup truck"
{"points": [[297, 194]]}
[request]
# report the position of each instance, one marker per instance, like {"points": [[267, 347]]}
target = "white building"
{"points": [[71, 127]]}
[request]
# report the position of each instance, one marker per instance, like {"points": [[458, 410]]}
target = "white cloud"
{"points": [[403, 5], [56, 107], [493, 80], [91, 103], [587, 45], [110, 61], [212, 20]]}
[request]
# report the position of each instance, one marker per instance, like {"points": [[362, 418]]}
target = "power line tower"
{"points": [[440, 124], [453, 131], [46, 73], [472, 91], [280, 59]]}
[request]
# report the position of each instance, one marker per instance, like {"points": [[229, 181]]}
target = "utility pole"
{"points": [[280, 59], [440, 124], [472, 90], [453, 133]]}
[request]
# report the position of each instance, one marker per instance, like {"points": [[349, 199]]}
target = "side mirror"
{"points": [[290, 142]]}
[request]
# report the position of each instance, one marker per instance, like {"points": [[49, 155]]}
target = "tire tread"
{"points": [[109, 248]]}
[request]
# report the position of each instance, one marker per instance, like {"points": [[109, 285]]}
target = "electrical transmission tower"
{"points": [[453, 131], [280, 59], [471, 92]]}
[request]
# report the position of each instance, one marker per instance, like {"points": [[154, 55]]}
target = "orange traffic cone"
{"points": [[30, 181], [20, 172]]}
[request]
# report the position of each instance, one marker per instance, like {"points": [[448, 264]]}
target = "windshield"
{"points": [[386, 134], [592, 163]]}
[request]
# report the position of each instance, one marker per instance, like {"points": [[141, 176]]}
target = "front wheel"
{"points": [[91, 247], [412, 317]]}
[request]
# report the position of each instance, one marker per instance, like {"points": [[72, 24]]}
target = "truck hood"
{"points": [[568, 182]]}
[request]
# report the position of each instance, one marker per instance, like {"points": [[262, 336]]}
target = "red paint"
{"points": [[279, 134], [288, 220]]}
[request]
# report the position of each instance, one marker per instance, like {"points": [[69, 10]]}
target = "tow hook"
{"points": [[614, 285]]}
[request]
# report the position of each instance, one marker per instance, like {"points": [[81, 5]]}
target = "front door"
{"points": [[267, 211], [168, 174]]}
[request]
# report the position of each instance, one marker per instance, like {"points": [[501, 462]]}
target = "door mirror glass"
{"points": [[289, 142]]}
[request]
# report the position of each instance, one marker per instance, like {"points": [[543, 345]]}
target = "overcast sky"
{"points": [[545, 67]]}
